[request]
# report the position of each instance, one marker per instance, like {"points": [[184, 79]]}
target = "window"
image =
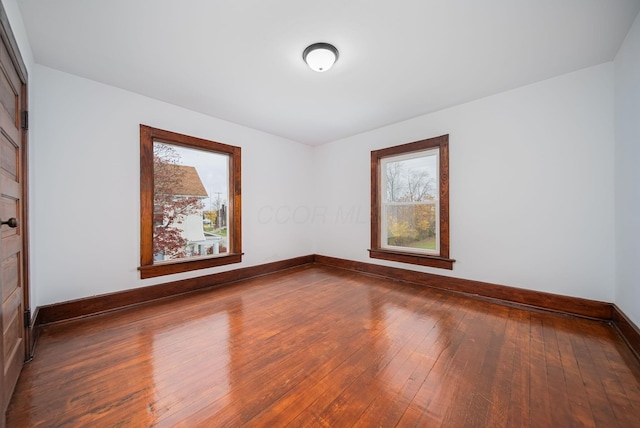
{"points": [[189, 203], [410, 203]]}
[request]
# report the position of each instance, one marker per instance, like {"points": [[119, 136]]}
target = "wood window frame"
{"points": [[376, 251], [147, 267]]}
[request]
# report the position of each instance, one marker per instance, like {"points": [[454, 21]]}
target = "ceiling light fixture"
{"points": [[320, 56]]}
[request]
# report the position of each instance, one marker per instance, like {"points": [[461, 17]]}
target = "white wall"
{"points": [[531, 186], [627, 174], [19, 32], [85, 186]]}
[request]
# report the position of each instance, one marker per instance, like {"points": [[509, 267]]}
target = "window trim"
{"points": [[376, 251], [147, 267]]}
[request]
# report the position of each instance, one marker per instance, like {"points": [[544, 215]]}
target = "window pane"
{"points": [[411, 226], [410, 193], [190, 200], [411, 178]]}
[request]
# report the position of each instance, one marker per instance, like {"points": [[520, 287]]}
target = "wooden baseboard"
{"points": [[536, 299], [108, 302], [627, 329]]}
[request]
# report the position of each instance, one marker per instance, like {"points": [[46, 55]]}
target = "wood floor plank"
{"points": [[556, 381], [349, 371], [474, 362], [357, 398], [618, 397], [431, 402], [498, 377], [518, 328], [281, 352], [601, 409], [539, 397], [423, 388], [576, 392], [319, 346], [406, 376]]}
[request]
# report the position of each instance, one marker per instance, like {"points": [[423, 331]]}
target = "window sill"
{"points": [[169, 268], [412, 258]]}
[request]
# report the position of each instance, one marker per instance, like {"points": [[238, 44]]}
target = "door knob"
{"points": [[12, 222]]}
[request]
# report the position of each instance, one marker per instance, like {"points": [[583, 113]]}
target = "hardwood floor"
{"points": [[319, 346]]}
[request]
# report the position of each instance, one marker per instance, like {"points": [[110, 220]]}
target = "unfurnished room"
{"points": [[320, 214]]}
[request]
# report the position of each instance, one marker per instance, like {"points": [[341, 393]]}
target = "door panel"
{"points": [[8, 158], [12, 188]]}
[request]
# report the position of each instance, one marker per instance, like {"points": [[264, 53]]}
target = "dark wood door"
{"points": [[14, 343]]}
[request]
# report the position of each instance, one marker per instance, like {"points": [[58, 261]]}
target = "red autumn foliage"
{"points": [[170, 209]]}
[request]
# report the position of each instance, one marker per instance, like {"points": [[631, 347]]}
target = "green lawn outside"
{"points": [[221, 232], [425, 244]]}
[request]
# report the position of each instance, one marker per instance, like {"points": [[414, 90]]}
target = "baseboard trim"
{"points": [[627, 329], [575, 306], [94, 305], [535, 299]]}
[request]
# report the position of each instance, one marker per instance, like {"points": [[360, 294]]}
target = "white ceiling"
{"points": [[241, 60]]}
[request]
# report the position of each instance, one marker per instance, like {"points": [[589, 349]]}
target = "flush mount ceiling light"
{"points": [[320, 56]]}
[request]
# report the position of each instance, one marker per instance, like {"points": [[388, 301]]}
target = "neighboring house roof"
{"points": [[187, 182]]}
